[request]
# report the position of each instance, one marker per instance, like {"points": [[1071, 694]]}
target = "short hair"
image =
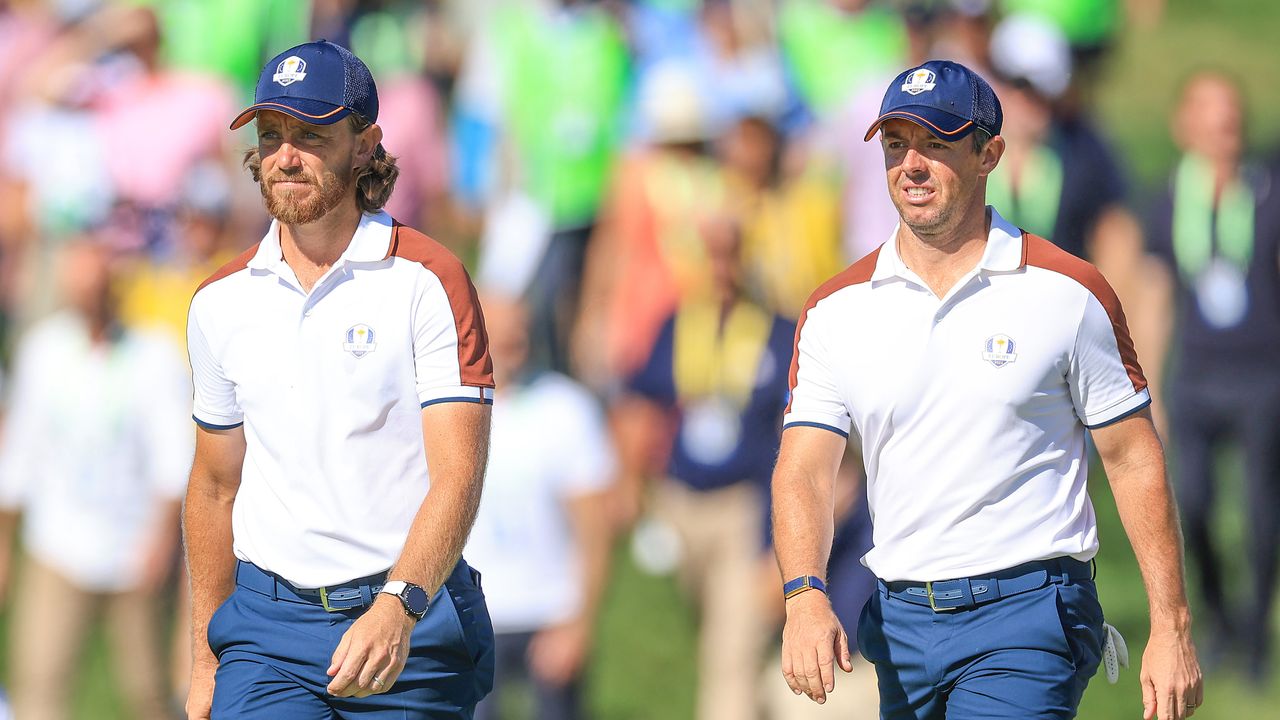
{"points": [[980, 139]]}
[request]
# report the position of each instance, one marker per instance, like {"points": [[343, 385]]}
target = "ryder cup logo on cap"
{"points": [[922, 80], [337, 83], [945, 98], [290, 70]]}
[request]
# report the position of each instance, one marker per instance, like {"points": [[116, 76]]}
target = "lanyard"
{"points": [[1033, 204], [1197, 223], [711, 360]]}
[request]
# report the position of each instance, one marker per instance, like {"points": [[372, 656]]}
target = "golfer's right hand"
{"points": [[812, 642], [200, 695]]}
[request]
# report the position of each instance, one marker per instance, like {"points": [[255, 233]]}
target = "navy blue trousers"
{"points": [[1022, 657], [272, 656]]}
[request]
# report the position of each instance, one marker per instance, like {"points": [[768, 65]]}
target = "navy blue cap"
{"points": [[318, 83], [945, 98]]}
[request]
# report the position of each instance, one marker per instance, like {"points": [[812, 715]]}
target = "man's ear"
{"points": [[366, 142], [989, 156]]}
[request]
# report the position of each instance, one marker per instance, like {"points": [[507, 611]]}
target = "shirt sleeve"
{"points": [[215, 406], [450, 344], [815, 396], [1105, 379]]}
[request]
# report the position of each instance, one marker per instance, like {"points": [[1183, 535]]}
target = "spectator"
{"points": [[543, 515], [717, 378], [1216, 232], [550, 82], [54, 178], [646, 254], [791, 224], [956, 29], [725, 46], [155, 294], [25, 27], [228, 38], [1059, 178], [868, 217], [411, 113], [155, 106], [860, 38], [1090, 26], [96, 470]]}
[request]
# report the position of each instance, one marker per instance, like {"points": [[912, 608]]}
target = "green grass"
{"points": [[644, 664]]}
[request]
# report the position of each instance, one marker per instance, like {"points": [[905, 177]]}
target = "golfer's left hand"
{"points": [[372, 652], [1172, 687], [813, 643]]}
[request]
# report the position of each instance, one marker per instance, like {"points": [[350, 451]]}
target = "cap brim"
{"points": [[942, 124], [308, 111]]}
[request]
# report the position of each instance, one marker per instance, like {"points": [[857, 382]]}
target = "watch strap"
{"points": [[804, 583], [402, 591], [394, 587]]}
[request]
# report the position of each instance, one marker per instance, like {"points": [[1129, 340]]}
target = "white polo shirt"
{"points": [[970, 409], [329, 386]]}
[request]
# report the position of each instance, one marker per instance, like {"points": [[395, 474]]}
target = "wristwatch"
{"points": [[412, 597]]}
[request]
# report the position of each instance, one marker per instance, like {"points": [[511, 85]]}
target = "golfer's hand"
{"points": [[1172, 687], [372, 652], [200, 694], [812, 642]]}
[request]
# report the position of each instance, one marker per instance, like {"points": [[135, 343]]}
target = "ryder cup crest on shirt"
{"points": [[922, 80], [999, 350], [290, 70], [359, 340]]}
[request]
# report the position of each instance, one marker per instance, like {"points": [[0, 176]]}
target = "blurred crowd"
{"points": [[646, 193]]}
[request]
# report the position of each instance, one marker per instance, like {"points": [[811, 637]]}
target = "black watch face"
{"points": [[415, 599]]}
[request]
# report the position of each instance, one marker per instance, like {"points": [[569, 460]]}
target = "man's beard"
{"points": [[324, 196]]}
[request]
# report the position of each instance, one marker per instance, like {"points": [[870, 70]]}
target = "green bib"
{"points": [[1033, 205], [1196, 222]]}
